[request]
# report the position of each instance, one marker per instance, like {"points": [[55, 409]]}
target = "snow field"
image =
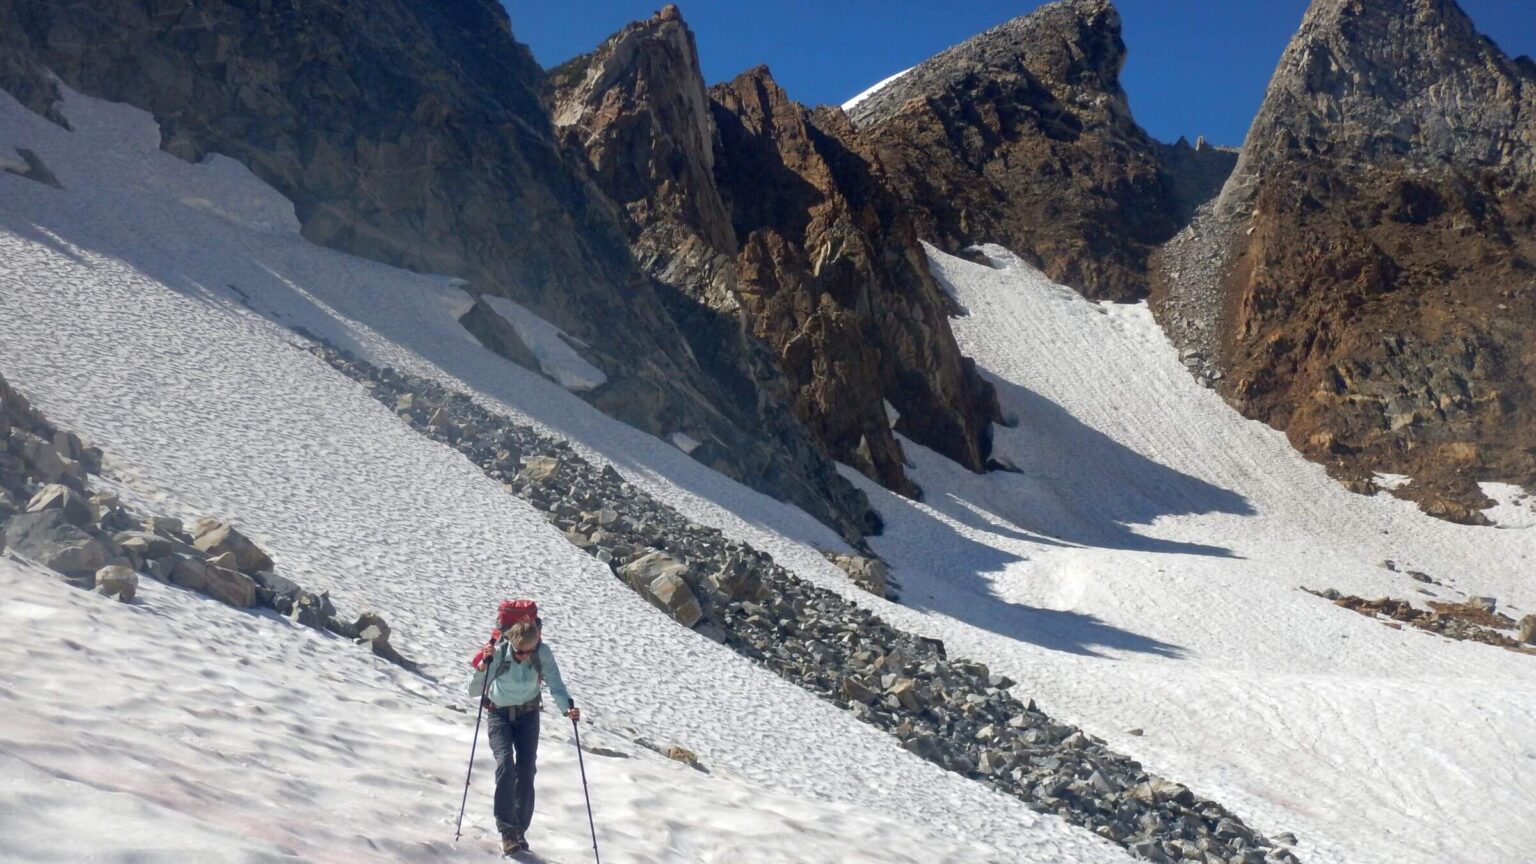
{"points": [[1142, 573], [147, 306]]}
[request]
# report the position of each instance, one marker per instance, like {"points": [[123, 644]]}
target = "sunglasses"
{"points": [[517, 653]]}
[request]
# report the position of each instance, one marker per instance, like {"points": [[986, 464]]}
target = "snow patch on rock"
{"points": [[551, 345]]}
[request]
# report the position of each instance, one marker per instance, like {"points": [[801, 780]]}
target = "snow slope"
{"points": [[148, 306], [1142, 572]]}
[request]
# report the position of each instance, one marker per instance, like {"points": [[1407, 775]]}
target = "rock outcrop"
{"points": [[832, 275], [1023, 136], [1368, 275], [773, 226], [413, 132], [96, 542]]}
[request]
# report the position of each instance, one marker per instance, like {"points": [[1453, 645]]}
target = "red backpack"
{"points": [[508, 614], [515, 612]]}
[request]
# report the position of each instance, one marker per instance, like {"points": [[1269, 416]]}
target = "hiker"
{"points": [[517, 661]]}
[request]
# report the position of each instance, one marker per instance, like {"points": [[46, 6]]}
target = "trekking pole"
{"points": [[479, 711], [576, 728]]}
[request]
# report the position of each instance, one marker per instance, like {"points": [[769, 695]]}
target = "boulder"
{"points": [[737, 582], [151, 546], [312, 610], [646, 569], [117, 581], [50, 539], [854, 690], [370, 627], [227, 560], [164, 526], [67, 445], [115, 519], [867, 573], [905, 692], [217, 538], [162, 568], [72, 504], [187, 572], [340, 626], [227, 586], [685, 756], [276, 592], [1527, 632], [538, 469], [673, 595], [41, 458], [230, 587]]}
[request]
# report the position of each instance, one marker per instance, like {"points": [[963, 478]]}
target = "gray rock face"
{"points": [[1390, 81], [50, 539], [412, 132]]}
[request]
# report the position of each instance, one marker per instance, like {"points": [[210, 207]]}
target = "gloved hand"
{"points": [[485, 652]]}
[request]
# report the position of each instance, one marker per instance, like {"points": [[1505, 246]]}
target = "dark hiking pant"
{"points": [[515, 741]]}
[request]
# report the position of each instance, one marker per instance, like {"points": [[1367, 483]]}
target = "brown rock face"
{"points": [[831, 274], [413, 132], [1022, 136], [1377, 242], [774, 229], [636, 111]]}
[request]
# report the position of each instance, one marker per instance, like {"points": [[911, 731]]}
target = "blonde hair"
{"points": [[523, 633]]}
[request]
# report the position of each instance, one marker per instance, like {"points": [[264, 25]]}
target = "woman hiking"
{"points": [[517, 661]]}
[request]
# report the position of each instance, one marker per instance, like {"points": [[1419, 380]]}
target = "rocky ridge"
{"points": [[1023, 136], [49, 515], [413, 132], [950, 711], [777, 225], [1367, 279]]}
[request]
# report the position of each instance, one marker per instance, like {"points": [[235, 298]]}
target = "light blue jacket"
{"points": [[518, 683]]}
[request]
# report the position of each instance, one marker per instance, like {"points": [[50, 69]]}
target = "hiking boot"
{"points": [[511, 844]]}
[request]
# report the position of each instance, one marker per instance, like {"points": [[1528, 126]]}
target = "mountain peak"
{"points": [[1410, 79], [1074, 42], [1382, 198]]}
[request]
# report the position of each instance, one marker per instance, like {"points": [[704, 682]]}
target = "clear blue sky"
{"points": [[1196, 67]]}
